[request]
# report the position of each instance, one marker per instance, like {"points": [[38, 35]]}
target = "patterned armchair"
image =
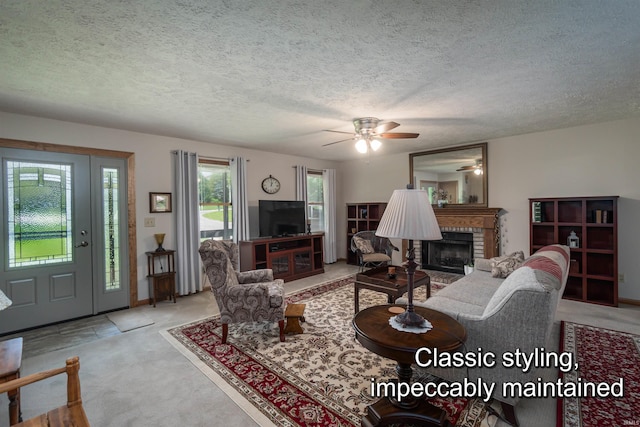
{"points": [[371, 250], [247, 296]]}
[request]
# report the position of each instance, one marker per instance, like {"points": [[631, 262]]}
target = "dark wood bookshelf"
{"points": [[362, 217], [593, 271]]}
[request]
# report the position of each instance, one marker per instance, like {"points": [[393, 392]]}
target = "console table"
{"points": [[290, 258]]}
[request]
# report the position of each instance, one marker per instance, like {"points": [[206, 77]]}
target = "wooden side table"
{"points": [[10, 363], [162, 283], [376, 335]]}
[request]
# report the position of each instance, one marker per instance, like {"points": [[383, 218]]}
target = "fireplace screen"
{"points": [[449, 254]]}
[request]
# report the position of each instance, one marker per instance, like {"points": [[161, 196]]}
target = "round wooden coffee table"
{"points": [[376, 335]]}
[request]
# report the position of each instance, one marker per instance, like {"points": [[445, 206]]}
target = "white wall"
{"points": [[594, 160], [370, 179], [153, 166]]}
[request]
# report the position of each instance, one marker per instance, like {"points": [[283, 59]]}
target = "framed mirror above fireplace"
{"points": [[453, 177]]}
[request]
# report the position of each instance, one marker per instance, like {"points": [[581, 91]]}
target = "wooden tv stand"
{"points": [[290, 258]]}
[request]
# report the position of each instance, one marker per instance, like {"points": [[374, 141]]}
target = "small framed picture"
{"points": [[159, 202]]}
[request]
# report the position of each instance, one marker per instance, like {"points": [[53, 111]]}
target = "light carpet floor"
{"points": [[285, 384], [128, 320]]}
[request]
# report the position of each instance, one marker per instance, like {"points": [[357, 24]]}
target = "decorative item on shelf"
{"points": [[391, 272], [574, 266], [353, 230], [409, 215], [573, 241], [159, 240], [308, 226]]}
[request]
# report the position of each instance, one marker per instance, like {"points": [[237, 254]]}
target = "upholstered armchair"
{"points": [[247, 296], [371, 250]]}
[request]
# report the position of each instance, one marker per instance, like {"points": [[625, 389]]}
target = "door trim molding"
{"points": [[131, 193]]}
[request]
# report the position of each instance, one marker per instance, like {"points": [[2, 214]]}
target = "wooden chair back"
{"points": [[72, 414]]}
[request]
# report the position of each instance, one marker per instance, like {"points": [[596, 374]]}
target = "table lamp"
{"points": [[409, 215]]}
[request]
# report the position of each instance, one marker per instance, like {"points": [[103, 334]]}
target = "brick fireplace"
{"points": [[482, 223]]}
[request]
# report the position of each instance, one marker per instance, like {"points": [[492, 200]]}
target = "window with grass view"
{"points": [[38, 213], [315, 200], [214, 190]]}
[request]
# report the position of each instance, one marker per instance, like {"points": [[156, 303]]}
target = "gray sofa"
{"points": [[504, 314]]}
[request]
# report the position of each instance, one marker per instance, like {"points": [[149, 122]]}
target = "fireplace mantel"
{"points": [[481, 221], [484, 218]]}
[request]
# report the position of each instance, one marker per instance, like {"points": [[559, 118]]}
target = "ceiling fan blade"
{"points": [[465, 168], [398, 135], [387, 126], [342, 140], [337, 131]]}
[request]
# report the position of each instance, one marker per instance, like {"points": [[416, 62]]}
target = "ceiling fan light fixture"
{"points": [[361, 146], [478, 171], [375, 144]]}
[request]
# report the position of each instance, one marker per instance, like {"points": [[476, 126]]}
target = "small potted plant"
{"points": [[442, 197], [468, 267]]}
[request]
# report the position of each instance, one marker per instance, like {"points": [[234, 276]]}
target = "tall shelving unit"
{"points": [[362, 217], [593, 269]]}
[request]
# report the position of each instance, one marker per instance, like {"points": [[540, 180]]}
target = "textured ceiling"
{"points": [[272, 75]]}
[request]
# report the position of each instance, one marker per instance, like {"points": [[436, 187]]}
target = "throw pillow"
{"points": [[482, 264], [505, 265], [363, 245]]}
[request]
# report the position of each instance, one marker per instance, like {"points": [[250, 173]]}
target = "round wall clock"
{"points": [[270, 185]]}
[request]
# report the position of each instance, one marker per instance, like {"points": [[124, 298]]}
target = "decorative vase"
{"points": [[159, 240]]}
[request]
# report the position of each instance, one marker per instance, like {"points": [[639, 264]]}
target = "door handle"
{"points": [[82, 244]]}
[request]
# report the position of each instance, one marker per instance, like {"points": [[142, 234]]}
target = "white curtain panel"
{"points": [[187, 222], [301, 188], [238, 166], [329, 184]]}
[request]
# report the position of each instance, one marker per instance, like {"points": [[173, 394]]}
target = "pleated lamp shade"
{"points": [[409, 215]]}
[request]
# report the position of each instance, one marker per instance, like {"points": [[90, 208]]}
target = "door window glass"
{"points": [[38, 213]]}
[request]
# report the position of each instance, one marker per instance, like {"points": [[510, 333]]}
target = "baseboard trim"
{"points": [[148, 301], [629, 301]]}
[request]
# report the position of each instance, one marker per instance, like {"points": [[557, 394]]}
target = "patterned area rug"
{"points": [[318, 378], [605, 356]]}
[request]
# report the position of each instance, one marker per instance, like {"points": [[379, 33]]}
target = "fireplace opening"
{"points": [[449, 254]]}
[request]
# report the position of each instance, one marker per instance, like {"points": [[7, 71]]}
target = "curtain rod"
{"points": [[210, 157], [309, 169]]}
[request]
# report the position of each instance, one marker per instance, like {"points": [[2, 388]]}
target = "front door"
{"points": [[46, 258]]}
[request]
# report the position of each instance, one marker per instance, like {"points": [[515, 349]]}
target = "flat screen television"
{"points": [[281, 217]]}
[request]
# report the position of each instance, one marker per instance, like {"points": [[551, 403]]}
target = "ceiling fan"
{"points": [[368, 131], [476, 168]]}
